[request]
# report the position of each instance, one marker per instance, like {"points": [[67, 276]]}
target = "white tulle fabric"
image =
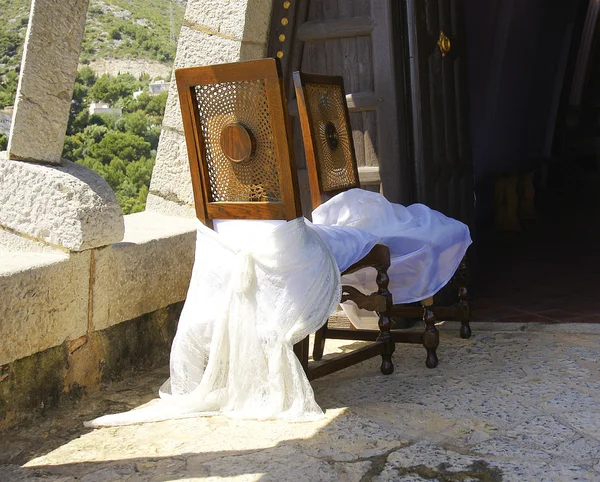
{"points": [[427, 247], [257, 288]]}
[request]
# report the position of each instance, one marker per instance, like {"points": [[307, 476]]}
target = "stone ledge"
{"points": [[43, 304], [66, 205], [149, 270], [49, 297]]}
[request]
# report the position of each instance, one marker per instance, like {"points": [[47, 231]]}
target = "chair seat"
{"points": [[427, 247], [347, 244]]}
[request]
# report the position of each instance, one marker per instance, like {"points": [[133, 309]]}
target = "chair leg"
{"points": [[385, 322], [431, 337], [301, 351], [463, 300], [319, 347]]}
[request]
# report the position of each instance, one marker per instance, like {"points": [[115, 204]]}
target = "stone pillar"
{"points": [[214, 32], [49, 199], [48, 70]]}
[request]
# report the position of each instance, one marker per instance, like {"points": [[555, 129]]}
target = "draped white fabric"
{"points": [[427, 247], [259, 287], [256, 290]]}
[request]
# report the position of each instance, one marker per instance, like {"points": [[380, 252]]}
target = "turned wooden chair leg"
{"points": [[319, 347], [464, 310], [385, 322], [431, 337]]}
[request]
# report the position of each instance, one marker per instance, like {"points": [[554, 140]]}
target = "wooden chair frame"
{"points": [[460, 312], [288, 208]]}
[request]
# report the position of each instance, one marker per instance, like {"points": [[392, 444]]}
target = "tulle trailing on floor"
{"points": [[251, 298]]}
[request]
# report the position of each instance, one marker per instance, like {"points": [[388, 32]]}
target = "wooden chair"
{"points": [[237, 135], [332, 168]]}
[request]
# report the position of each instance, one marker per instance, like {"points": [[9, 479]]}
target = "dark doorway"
{"points": [[534, 78]]}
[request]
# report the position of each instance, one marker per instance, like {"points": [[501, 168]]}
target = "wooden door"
{"points": [[354, 39], [443, 165]]}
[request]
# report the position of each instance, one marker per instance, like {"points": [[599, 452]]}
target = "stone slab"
{"points": [[48, 69], [65, 205], [148, 270], [44, 305]]}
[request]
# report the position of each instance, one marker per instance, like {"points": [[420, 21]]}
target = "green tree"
{"points": [[73, 147], [111, 89], [3, 142], [137, 123], [121, 149], [123, 145]]}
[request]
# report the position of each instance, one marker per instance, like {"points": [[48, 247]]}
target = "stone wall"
{"points": [[70, 321], [34, 384]]}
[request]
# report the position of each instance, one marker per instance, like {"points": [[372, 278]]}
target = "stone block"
{"points": [[247, 20], [48, 69], [196, 47], [43, 304], [171, 175], [149, 270], [253, 51], [172, 119], [161, 205], [66, 205]]}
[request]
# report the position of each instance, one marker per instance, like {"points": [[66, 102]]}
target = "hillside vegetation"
{"points": [[121, 149], [120, 29]]}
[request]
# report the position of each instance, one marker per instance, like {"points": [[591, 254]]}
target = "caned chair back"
{"points": [[237, 135], [327, 135]]}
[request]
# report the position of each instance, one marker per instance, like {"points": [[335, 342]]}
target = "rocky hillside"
{"points": [[116, 30]]}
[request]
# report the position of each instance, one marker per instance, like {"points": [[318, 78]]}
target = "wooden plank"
{"points": [[315, 10], [314, 58], [330, 9], [365, 64], [388, 145], [361, 7], [346, 9], [335, 58], [335, 28]]}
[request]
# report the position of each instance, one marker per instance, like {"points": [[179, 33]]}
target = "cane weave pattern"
{"points": [[256, 179], [326, 104]]}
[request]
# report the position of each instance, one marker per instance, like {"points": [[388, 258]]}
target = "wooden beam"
{"points": [[335, 28]]}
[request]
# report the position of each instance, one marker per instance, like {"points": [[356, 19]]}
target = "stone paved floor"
{"points": [[515, 402]]}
